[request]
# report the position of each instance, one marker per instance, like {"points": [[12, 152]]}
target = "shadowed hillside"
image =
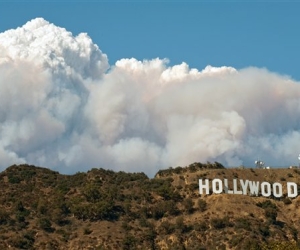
{"points": [[102, 209]]}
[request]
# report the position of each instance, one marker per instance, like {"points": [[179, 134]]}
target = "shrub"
{"points": [[219, 223], [188, 205], [200, 226], [271, 214], [21, 242], [92, 193], [13, 178], [287, 201], [193, 186], [266, 204], [167, 227], [179, 224], [129, 242], [243, 223], [4, 217], [87, 231], [264, 230], [45, 224], [202, 205]]}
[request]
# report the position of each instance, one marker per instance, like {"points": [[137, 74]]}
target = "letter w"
{"points": [[254, 186]]}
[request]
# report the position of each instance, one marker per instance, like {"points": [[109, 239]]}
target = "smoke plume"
{"points": [[64, 107]]}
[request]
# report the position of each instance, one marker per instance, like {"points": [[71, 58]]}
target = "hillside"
{"points": [[102, 209]]}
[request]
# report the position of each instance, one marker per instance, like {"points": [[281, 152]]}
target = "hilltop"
{"points": [[103, 209]]}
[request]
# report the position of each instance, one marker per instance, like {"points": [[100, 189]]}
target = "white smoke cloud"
{"points": [[62, 106]]}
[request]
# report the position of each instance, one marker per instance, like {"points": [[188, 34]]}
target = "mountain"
{"points": [[102, 209]]}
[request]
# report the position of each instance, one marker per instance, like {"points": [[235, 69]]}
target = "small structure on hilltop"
{"points": [[259, 164], [294, 166]]}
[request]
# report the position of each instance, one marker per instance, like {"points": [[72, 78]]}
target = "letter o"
{"points": [[219, 189], [265, 193], [279, 186]]}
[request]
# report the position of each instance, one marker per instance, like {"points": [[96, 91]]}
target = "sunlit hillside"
{"points": [[102, 209]]}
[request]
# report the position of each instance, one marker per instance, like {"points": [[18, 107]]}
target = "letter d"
{"points": [[292, 189]]}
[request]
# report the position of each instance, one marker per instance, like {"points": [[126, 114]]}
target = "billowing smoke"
{"points": [[64, 107]]}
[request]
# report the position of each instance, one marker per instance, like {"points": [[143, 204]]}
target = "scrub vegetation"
{"points": [[103, 209]]}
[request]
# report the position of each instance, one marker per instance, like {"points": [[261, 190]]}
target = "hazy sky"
{"points": [[139, 86]]}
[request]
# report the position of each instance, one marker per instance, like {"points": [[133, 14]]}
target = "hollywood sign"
{"points": [[247, 187]]}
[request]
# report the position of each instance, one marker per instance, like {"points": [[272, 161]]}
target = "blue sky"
{"points": [[230, 33]]}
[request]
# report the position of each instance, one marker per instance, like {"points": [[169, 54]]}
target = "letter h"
{"points": [[205, 186]]}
